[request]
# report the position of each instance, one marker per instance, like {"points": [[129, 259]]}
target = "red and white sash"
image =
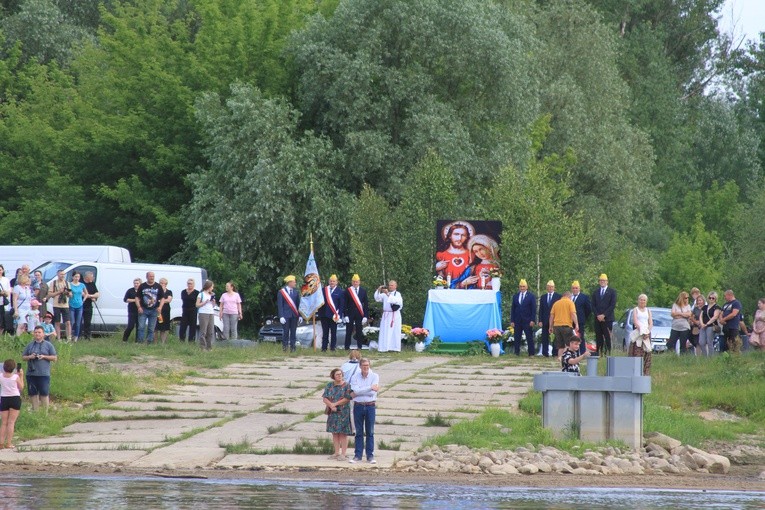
{"points": [[289, 301], [357, 302], [330, 302]]}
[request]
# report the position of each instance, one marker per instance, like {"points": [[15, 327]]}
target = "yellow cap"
{"points": [[290, 278], [333, 276], [575, 283], [603, 276], [550, 282], [355, 277], [523, 282]]}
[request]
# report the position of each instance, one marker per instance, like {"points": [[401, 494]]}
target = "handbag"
{"points": [[327, 410]]}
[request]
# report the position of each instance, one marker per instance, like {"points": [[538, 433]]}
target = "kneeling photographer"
{"points": [[39, 353]]}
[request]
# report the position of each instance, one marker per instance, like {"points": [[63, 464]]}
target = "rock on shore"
{"points": [[661, 455]]}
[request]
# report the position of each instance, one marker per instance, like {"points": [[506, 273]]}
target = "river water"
{"points": [[86, 492]]}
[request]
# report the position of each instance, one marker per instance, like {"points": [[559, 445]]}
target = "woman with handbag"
{"points": [[640, 338], [709, 327], [336, 396]]}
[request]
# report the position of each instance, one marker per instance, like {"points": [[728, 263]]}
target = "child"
{"points": [[11, 385], [48, 328], [570, 360], [33, 316]]}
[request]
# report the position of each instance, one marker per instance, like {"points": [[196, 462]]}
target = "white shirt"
{"points": [[204, 297], [362, 386]]}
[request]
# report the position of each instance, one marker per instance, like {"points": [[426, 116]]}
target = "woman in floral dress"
{"points": [[336, 396]]}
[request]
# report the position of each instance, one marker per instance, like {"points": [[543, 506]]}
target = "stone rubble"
{"points": [[655, 459]]}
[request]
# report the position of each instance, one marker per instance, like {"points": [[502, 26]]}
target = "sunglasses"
{"points": [[712, 298]]}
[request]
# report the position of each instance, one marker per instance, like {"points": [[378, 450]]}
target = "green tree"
{"points": [[44, 32], [588, 102], [693, 259], [265, 189], [389, 81], [541, 238]]}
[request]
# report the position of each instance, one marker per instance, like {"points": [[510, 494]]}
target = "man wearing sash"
{"points": [[287, 303], [390, 324], [356, 312], [331, 313]]}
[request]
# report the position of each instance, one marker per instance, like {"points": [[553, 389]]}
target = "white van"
{"points": [[113, 280], [13, 257]]}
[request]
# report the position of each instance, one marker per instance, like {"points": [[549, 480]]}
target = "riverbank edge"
{"points": [[740, 478]]}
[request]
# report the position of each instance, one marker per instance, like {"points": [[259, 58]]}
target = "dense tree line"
{"points": [[624, 137]]}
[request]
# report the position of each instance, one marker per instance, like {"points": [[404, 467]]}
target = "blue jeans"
{"points": [[75, 315], [146, 317], [364, 419]]}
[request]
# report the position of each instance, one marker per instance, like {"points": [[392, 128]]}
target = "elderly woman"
{"points": [[484, 256], [336, 396], [640, 338], [708, 319], [163, 319], [22, 302]]}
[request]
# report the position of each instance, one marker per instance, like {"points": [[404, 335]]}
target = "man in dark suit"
{"points": [[603, 305], [287, 305], [331, 313], [522, 313], [545, 305], [583, 311], [356, 312]]}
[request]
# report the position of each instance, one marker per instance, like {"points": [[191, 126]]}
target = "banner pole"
{"points": [[314, 332]]}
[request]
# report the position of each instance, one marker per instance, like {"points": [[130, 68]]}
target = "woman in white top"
{"points": [[640, 338], [206, 314], [11, 385], [681, 325]]}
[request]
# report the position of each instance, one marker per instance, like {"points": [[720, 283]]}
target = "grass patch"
{"points": [[436, 420], [304, 446], [382, 445], [274, 429], [242, 447]]}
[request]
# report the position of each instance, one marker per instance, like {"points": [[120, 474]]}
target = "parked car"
{"points": [[272, 332], [662, 324]]}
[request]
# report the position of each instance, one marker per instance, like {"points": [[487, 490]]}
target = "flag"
{"points": [[311, 296]]}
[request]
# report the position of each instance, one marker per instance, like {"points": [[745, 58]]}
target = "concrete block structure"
{"points": [[595, 408]]}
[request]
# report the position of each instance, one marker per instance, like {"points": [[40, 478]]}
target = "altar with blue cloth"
{"points": [[459, 316]]}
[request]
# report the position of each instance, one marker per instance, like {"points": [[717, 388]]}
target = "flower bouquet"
{"points": [[495, 336], [495, 272], [419, 334], [440, 281]]}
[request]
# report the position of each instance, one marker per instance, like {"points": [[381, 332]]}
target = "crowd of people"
{"points": [[696, 322]]}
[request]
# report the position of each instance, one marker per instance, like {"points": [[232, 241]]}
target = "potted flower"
{"points": [[496, 274], [419, 335], [494, 336], [440, 283]]}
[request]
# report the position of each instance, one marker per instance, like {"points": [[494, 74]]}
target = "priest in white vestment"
{"points": [[390, 323]]}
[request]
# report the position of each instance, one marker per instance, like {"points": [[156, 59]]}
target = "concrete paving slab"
{"points": [[73, 457]]}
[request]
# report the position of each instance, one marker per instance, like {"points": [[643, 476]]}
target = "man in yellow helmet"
{"points": [[356, 312], [331, 313]]}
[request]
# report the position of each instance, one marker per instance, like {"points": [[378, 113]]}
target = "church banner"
{"points": [[311, 297]]}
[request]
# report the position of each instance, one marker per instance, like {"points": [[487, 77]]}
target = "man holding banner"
{"points": [[287, 303], [356, 312], [331, 313]]}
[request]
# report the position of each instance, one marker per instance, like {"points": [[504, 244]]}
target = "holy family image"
{"points": [[467, 252]]}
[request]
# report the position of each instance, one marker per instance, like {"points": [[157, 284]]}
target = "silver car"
{"points": [[662, 324]]}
